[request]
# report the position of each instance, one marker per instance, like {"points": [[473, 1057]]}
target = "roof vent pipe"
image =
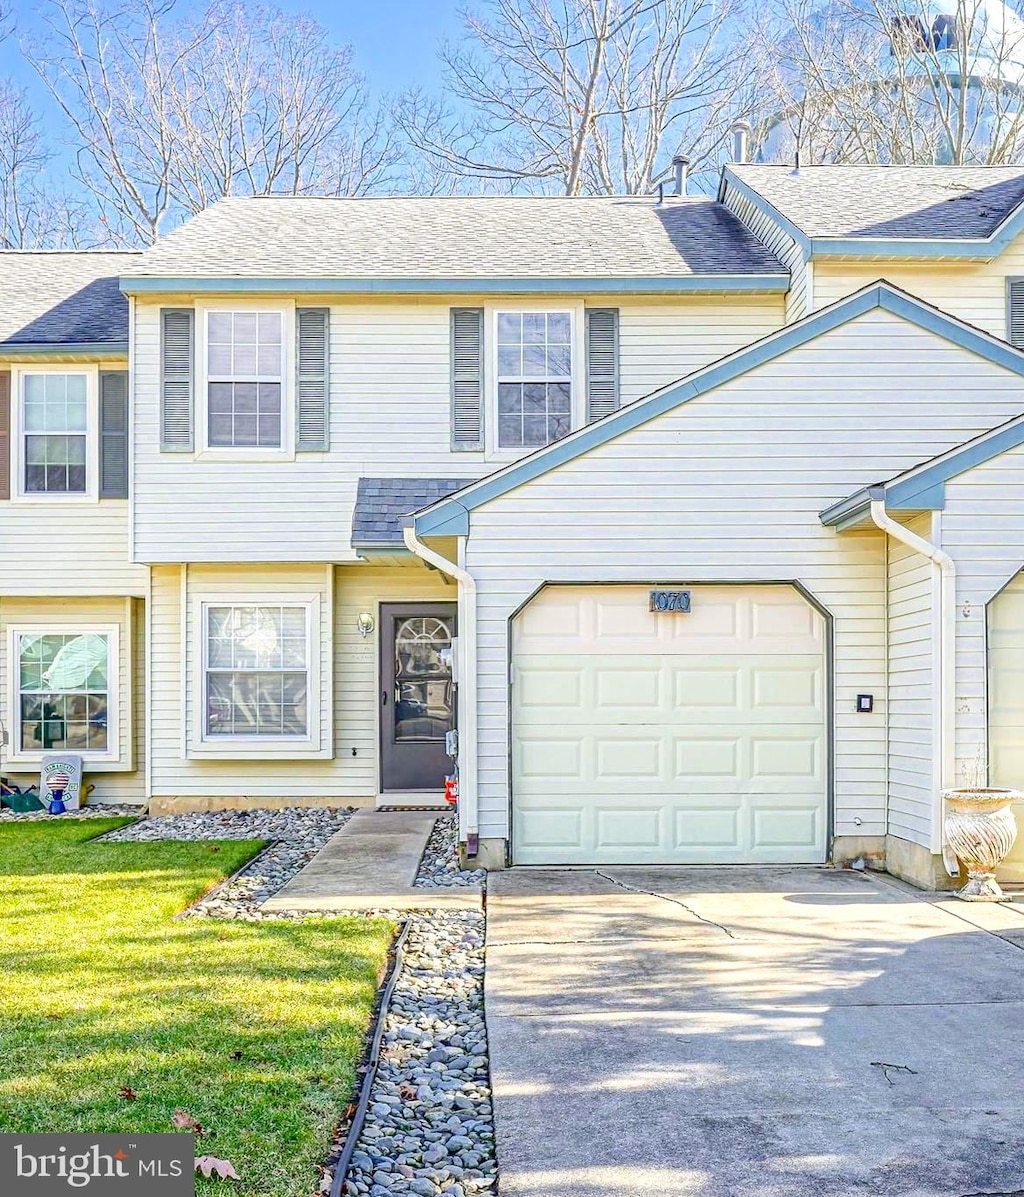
{"points": [[681, 168], [740, 131]]}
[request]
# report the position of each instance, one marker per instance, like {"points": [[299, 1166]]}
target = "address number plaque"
{"points": [[663, 601]]}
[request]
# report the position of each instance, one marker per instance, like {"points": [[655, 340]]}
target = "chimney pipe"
{"points": [[740, 131], [681, 167]]}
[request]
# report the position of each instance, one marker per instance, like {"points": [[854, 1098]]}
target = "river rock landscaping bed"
{"points": [[429, 1128], [440, 867]]}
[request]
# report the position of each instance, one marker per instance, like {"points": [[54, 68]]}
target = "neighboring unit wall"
{"points": [[983, 530], [798, 300], [911, 689], [390, 416], [347, 768], [974, 291], [728, 487], [127, 782]]}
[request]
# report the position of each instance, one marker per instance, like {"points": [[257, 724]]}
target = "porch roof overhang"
{"points": [[923, 488]]}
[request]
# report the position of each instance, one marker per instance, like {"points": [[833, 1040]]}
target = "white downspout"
{"points": [[944, 637], [469, 820]]}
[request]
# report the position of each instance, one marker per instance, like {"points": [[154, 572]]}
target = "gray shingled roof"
{"points": [[381, 504], [459, 237], [62, 298], [960, 202]]}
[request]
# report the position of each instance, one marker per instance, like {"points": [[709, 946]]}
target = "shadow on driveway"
{"points": [[758, 1032]]}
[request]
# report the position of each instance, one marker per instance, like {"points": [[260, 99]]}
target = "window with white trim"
{"points": [[55, 433], [244, 379], [256, 671], [65, 691], [534, 378]]}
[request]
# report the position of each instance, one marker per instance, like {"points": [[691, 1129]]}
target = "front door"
{"points": [[417, 695]]}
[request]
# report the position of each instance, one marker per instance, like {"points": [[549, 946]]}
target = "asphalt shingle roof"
{"points": [[58, 298], [959, 202], [459, 237], [382, 503]]}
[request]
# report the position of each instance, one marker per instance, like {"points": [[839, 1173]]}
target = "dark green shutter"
{"points": [[5, 434], [313, 417], [1015, 311], [114, 434], [467, 378], [602, 362], [177, 364]]}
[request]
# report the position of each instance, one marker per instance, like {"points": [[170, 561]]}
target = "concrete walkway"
{"points": [[757, 1032], [371, 864]]}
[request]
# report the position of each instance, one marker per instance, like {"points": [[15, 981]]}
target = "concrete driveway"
{"points": [[752, 1031]]}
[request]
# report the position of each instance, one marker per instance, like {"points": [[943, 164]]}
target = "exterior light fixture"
{"points": [[364, 623]]}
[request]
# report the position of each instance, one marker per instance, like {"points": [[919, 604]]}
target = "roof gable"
{"points": [[451, 516], [922, 488], [890, 211]]}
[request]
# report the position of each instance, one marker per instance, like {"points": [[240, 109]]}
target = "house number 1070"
{"points": [[670, 600]]}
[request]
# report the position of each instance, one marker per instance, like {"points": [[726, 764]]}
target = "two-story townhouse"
{"points": [[729, 571], [71, 600], [308, 371]]}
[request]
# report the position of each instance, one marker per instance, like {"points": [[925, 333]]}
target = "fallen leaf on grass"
{"points": [[208, 1164], [183, 1120], [127, 1092]]}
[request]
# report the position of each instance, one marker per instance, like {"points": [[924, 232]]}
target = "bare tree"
{"points": [[857, 83], [580, 96], [171, 111]]}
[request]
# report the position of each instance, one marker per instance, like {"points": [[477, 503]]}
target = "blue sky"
{"points": [[395, 41]]}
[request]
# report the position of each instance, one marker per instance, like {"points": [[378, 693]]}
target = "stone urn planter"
{"points": [[980, 829]]}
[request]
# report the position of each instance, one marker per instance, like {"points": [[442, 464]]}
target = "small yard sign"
{"points": [[670, 600]]}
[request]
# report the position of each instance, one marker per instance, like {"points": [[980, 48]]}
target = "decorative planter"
{"points": [[980, 828]]}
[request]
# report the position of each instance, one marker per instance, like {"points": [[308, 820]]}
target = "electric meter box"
{"points": [[61, 772]]}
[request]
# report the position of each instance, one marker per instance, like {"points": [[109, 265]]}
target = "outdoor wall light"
{"points": [[364, 623]]}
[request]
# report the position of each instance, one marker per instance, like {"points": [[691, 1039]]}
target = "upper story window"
{"points": [[55, 431], [245, 379], [534, 378]]}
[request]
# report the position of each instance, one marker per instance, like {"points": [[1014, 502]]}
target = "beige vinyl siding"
{"points": [[68, 549], [983, 531], [660, 343], [974, 291], [782, 245], [348, 707], [911, 689], [728, 488], [126, 782], [389, 417]]}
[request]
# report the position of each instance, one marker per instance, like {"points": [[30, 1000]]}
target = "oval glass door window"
{"points": [[423, 678]]}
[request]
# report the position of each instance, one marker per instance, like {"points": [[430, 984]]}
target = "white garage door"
{"points": [[1006, 706], [669, 738]]}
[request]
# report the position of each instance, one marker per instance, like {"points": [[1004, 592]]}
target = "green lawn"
{"points": [[253, 1029]]}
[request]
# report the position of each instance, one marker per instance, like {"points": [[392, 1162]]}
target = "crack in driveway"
{"points": [[665, 898]]}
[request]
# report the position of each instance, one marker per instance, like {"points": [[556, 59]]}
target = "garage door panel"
{"points": [[652, 743], [636, 687], [709, 828], [795, 686], [621, 829]]}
